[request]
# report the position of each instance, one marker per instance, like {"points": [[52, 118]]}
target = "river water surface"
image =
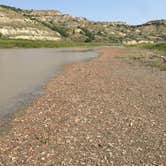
{"points": [[24, 71]]}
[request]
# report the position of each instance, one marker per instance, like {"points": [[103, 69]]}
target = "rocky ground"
{"points": [[100, 112]]}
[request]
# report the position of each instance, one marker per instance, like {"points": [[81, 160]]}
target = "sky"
{"points": [[130, 11]]}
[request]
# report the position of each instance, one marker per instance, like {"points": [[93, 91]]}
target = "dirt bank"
{"points": [[100, 112]]}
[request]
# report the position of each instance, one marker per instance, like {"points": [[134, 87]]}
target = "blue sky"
{"points": [[131, 11]]}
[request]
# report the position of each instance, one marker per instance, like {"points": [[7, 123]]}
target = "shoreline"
{"points": [[6, 120], [23, 43], [93, 113]]}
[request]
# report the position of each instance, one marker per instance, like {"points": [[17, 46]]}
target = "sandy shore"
{"points": [[100, 112]]}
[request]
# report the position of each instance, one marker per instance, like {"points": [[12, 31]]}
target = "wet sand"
{"points": [[100, 112]]}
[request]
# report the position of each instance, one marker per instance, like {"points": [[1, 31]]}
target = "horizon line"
{"points": [[104, 21]]}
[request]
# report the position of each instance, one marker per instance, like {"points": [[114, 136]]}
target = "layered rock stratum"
{"points": [[54, 25]]}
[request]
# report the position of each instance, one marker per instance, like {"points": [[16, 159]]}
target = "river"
{"points": [[24, 71]]}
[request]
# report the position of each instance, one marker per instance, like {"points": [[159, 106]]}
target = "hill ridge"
{"points": [[53, 25]]}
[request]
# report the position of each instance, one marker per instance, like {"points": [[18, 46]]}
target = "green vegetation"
{"points": [[90, 35], [1, 35], [156, 47], [115, 39], [11, 8], [148, 54], [60, 29], [12, 43]]}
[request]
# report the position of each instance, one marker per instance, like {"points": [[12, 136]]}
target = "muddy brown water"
{"points": [[24, 71]]}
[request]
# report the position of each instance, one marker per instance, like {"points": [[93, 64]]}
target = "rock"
{"points": [[54, 25]]}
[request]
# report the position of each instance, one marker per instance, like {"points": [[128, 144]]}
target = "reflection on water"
{"points": [[24, 71]]}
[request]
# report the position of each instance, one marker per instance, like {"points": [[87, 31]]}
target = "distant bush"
{"points": [[11, 8], [61, 30], [157, 46], [1, 35], [89, 34], [115, 39]]}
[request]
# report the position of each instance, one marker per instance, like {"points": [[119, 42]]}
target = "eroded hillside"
{"points": [[54, 25], [14, 24]]}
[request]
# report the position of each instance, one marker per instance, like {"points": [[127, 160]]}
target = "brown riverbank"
{"points": [[100, 112]]}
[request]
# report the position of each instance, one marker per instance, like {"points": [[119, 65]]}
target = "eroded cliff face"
{"points": [[54, 25], [13, 24]]}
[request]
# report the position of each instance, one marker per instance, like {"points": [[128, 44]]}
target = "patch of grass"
{"points": [[12, 43], [145, 57], [157, 64], [161, 47], [157, 46], [148, 54]]}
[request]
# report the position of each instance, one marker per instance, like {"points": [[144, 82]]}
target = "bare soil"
{"points": [[100, 112]]}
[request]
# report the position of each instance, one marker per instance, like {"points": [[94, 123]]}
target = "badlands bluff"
{"points": [[54, 25]]}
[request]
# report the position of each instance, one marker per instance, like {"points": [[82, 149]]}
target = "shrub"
{"points": [[89, 34], [11, 8], [61, 30], [115, 39]]}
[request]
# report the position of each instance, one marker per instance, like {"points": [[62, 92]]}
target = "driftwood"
{"points": [[163, 58]]}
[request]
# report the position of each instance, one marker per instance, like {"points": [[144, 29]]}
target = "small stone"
{"points": [[42, 158], [131, 124]]}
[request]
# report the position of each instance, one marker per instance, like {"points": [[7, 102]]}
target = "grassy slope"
{"points": [[156, 47], [148, 54], [12, 43]]}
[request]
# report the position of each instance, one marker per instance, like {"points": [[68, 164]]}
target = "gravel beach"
{"points": [[100, 112]]}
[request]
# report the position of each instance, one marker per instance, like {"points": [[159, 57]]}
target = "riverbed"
{"points": [[23, 72], [105, 111]]}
